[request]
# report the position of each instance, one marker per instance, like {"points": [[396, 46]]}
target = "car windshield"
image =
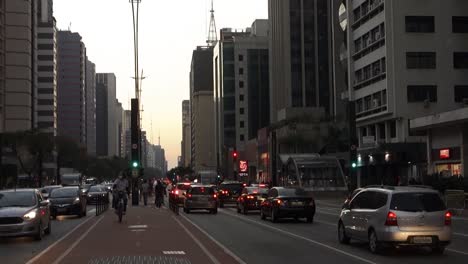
{"points": [[183, 186], [17, 199], [291, 192], [417, 202], [232, 186], [50, 188], [95, 189], [202, 191], [63, 193], [257, 190]]}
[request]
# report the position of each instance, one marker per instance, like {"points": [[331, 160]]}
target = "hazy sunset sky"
{"points": [[169, 31]]}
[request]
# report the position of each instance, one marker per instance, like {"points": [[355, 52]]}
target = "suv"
{"points": [[201, 197], [229, 191], [396, 216]]}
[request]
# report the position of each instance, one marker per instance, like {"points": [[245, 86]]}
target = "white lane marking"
{"points": [[205, 250], [173, 252], [325, 223], [459, 218], [59, 259], [328, 204], [461, 234], [457, 251], [226, 250], [137, 230], [327, 213], [137, 226], [56, 242], [303, 238], [92, 211]]}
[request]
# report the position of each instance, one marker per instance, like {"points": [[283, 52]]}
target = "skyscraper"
{"points": [[91, 107], [106, 125], [186, 134], [71, 92]]}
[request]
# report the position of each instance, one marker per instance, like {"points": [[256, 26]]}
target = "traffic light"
{"points": [[135, 164], [354, 164], [234, 155]]}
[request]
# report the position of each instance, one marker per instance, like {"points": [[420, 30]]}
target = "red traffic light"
{"points": [[234, 154]]}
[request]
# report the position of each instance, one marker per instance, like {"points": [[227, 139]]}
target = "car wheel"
{"points": [[238, 209], [40, 232], [221, 205], [245, 210], [274, 217], [342, 237], [310, 219], [374, 244], [439, 250], [214, 211], [187, 211], [262, 214], [49, 228], [85, 212]]}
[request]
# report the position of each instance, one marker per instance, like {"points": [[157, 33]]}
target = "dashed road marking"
{"points": [[173, 252], [460, 234], [138, 226], [457, 251]]}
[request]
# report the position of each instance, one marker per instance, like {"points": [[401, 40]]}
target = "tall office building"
{"points": [[46, 95], [202, 110], [71, 92], [127, 133], [119, 116], [186, 145], [408, 66], [17, 56], [106, 125], [91, 107]]}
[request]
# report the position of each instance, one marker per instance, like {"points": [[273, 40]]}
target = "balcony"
{"points": [[368, 13]]}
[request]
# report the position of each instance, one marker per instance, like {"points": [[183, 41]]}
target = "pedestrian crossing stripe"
{"points": [[173, 252], [137, 226]]}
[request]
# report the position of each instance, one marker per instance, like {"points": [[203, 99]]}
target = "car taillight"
{"points": [[189, 195], [176, 192], [279, 202], [448, 218], [215, 196], [311, 203], [250, 197], [391, 219]]}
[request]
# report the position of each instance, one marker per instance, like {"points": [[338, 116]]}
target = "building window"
{"points": [[460, 24], [45, 79], [45, 57], [45, 68], [420, 60], [45, 102], [241, 57], [420, 93], [241, 124], [45, 90], [460, 60], [45, 124], [461, 92], [241, 97], [393, 129], [382, 134], [241, 71], [45, 35], [45, 46], [420, 24], [241, 84], [241, 111], [242, 138], [45, 113]]}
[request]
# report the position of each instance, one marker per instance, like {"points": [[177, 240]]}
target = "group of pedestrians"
{"points": [[159, 191]]}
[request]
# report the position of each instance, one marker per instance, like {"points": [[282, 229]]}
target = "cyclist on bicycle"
{"points": [[121, 185]]}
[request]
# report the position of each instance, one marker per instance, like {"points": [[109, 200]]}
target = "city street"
{"points": [[149, 235]]}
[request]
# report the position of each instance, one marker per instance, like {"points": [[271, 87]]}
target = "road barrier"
{"points": [[455, 200], [102, 204]]}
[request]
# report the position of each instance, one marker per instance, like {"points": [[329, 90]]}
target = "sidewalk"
{"points": [[146, 235]]}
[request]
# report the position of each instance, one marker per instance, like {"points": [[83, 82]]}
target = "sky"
{"points": [[169, 31]]}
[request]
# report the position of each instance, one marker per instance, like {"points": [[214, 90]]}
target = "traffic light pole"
{"points": [[136, 146], [354, 179]]}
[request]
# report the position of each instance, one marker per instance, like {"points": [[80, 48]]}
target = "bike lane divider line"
{"points": [[225, 249], [59, 259], [42, 253], [303, 238], [457, 251], [205, 250]]}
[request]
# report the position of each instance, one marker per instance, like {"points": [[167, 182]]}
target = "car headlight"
{"points": [[89, 195], [31, 215], [77, 200], [103, 195]]}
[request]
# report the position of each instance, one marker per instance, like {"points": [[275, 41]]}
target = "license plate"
{"points": [[297, 203], [422, 240], [61, 210]]}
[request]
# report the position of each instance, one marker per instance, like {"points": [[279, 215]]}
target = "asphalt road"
{"points": [[257, 241], [20, 250]]}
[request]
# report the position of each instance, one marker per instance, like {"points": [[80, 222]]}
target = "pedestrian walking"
{"points": [[158, 193], [145, 189]]}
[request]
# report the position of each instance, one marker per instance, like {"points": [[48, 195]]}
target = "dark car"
{"points": [[201, 197], [251, 199], [67, 201], [97, 193], [45, 191], [85, 188], [228, 192], [23, 212], [284, 202]]}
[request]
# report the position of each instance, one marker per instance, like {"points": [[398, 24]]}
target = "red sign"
{"points": [[444, 154], [243, 166]]}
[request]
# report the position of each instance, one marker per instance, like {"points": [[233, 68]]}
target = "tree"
{"points": [[40, 145], [68, 154]]}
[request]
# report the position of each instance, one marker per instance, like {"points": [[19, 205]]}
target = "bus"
{"points": [[71, 179], [207, 177]]}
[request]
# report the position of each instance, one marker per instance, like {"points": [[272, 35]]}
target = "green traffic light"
{"points": [[354, 165], [135, 164]]}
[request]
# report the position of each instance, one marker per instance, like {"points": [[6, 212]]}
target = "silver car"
{"points": [[396, 216], [23, 212], [201, 197]]}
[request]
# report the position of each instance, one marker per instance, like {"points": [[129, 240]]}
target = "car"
{"points": [[45, 191], [177, 194], [396, 216], [229, 192], [201, 197], [286, 202], [85, 188], [250, 199], [67, 201], [24, 212], [97, 193]]}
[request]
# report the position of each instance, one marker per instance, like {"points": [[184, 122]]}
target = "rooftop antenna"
{"points": [[159, 138], [69, 27], [212, 35]]}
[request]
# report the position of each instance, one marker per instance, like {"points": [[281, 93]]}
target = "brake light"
{"points": [[250, 197], [391, 219], [245, 184], [186, 183], [177, 192], [279, 202], [262, 185], [448, 218], [189, 195], [215, 196], [311, 203]]}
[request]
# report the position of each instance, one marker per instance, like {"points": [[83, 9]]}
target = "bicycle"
{"points": [[119, 206]]}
